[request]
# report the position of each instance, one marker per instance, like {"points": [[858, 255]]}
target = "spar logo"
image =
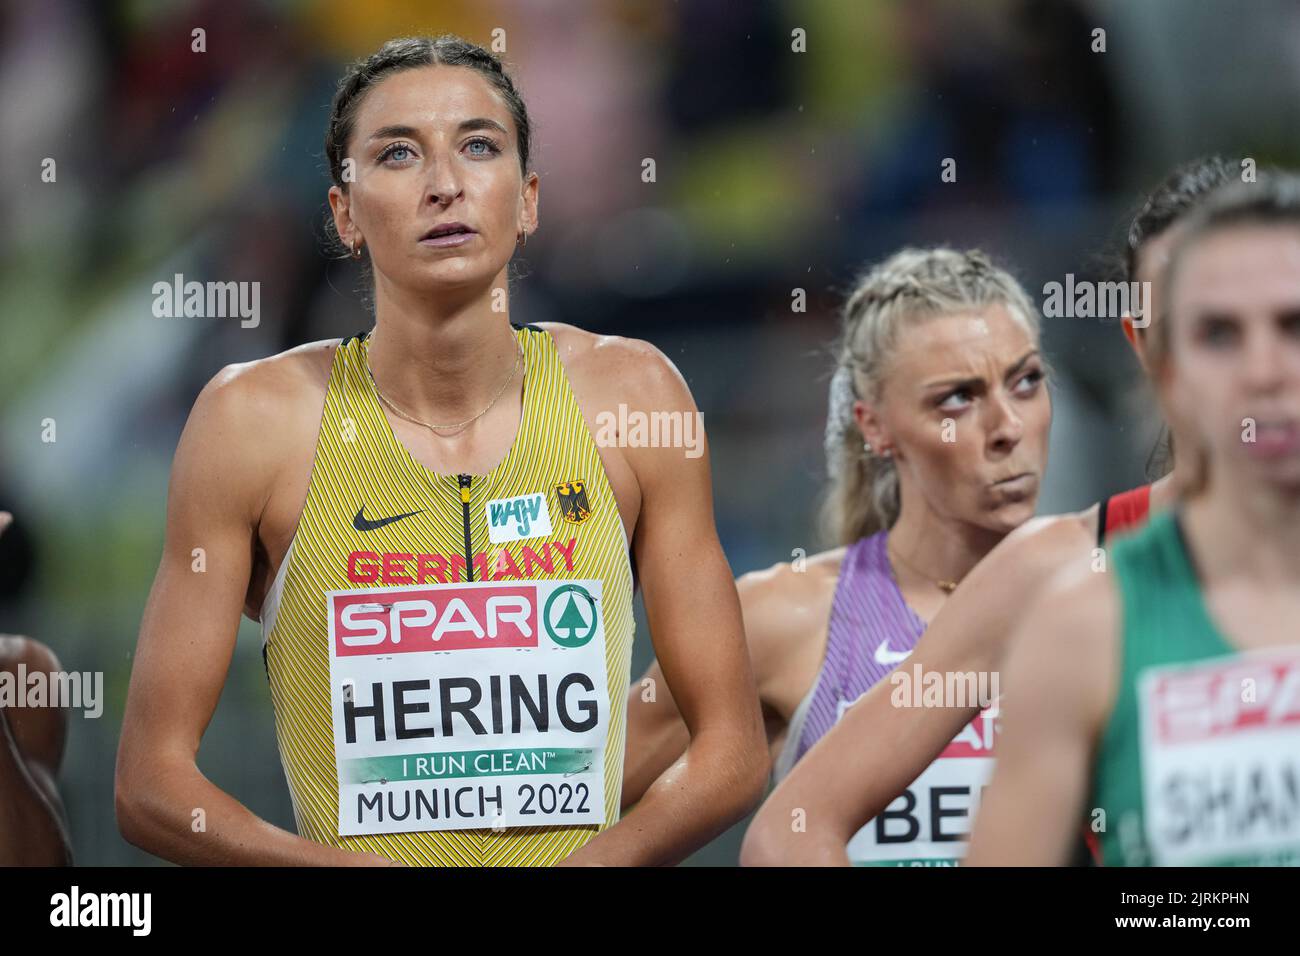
{"points": [[456, 617], [1210, 701], [570, 616], [446, 618], [978, 738]]}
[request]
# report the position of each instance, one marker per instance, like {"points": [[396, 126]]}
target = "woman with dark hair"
{"points": [[437, 547], [1162, 699], [866, 764]]}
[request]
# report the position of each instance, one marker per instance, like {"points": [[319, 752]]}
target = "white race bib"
{"points": [[463, 706], [1221, 759], [929, 824]]}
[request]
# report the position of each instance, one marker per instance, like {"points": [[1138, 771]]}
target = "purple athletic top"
{"points": [[872, 630]]}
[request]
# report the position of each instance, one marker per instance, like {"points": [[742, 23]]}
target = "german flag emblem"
{"points": [[574, 505]]}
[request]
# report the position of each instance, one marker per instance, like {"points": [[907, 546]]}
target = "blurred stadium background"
{"points": [[776, 171]]}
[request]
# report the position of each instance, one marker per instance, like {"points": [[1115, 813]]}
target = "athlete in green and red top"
{"points": [[877, 750], [1162, 699]]}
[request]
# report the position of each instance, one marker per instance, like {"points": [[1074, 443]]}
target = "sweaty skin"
{"points": [[1062, 660], [239, 482], [876, 750], [952, 515], [1064, 681], [777, 602], [433, 146], [1237, 355]]}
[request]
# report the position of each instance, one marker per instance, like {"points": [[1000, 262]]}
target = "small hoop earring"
{"points": [[356, 250], [522, 242], [866, 446]]}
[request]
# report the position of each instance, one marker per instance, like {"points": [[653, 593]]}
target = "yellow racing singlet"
{"points": [[449, 655]]}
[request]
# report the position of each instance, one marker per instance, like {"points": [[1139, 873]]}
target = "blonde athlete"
{"points": [[438, 551], [876, 752], [936, 442], [1162, 698]]}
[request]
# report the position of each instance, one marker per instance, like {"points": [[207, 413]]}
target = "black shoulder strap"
{"points": [[1101, 521]]}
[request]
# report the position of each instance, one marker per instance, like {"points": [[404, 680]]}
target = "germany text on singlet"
{"points": [[448, 655]]}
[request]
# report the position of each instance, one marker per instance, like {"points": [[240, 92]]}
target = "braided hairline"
{"points": [[404, 53], [938, 280], [893, 280], [912, 284]]}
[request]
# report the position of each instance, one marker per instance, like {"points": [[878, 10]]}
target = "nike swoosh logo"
{"points": [[361, 523], [885, 657]]}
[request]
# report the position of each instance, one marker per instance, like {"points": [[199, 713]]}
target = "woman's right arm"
{"points": [[777, 605], [1061, 664], [871, 756], [224, 469]]}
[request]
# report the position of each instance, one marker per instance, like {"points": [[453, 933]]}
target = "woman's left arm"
{"points": [[695, 627]]}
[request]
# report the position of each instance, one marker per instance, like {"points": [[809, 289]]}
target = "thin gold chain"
{"points": [[947, 587], [436, 428]]}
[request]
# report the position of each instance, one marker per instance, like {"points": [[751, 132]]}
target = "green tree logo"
{"points": [[572, 629]]}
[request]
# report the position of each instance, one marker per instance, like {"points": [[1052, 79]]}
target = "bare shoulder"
{"points": [[16, 649], [1067, 640], [1072, 527], [613, 368], [259, 402], [789, 602], [1040, 548], [793, 581], [1081, 600], [251, 422], [291, 376], [973, 628]]}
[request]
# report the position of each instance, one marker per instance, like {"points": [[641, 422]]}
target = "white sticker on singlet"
{"points": [[463, 706], [514, 519], [929, 824], [1221, 760]]}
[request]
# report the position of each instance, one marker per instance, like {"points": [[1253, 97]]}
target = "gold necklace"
{"points": [[947, 587], [436, 428]]}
